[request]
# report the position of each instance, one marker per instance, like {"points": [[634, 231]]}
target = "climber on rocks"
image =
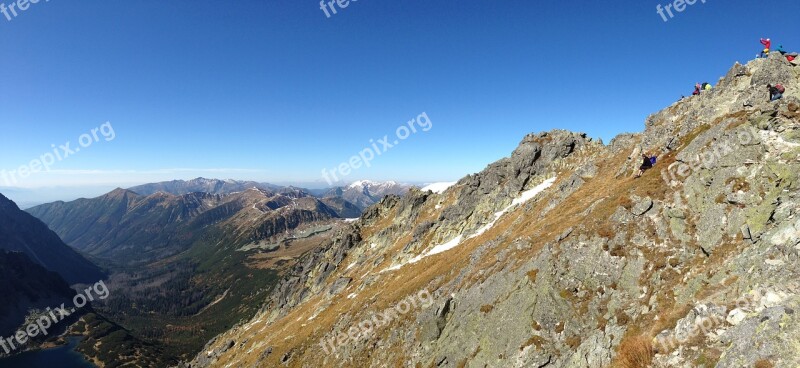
{"points": [[775, 92], [696, 89], [767, 45], [781, 50], [647, 163]]}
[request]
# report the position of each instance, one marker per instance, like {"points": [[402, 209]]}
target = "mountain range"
{"points": [[557, 255], [158, 220], [199, 255]]}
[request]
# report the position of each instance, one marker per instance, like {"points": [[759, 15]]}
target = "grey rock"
{"points": [[642, 206]]}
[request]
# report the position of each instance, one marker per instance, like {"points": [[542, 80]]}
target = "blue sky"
{"points": [[273, 90]]}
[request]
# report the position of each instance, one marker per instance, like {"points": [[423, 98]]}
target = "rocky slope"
{"points": [[558, 257], [21, 232]]}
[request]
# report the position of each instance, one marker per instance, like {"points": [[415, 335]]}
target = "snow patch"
{"points": [[370, 183], [524, 197], [438, 187]]}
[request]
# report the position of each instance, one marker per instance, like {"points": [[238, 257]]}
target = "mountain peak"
{"points": [[371, 183], [120, 192]]}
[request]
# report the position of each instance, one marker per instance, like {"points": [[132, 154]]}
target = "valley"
{"points": [[190, 260]]}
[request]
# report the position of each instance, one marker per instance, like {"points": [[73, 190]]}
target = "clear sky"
{"points": [[274, 90]]}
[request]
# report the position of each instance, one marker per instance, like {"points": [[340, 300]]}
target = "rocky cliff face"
{"points": [[558, 257]]}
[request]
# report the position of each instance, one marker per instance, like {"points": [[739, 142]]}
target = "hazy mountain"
{"points": [[210, 186], [28, 197], [21, 232]]}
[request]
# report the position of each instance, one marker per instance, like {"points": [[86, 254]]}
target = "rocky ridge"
{"points": [[692, 265]]}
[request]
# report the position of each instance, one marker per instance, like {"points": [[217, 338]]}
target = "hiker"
{"points": [[780, 49], [706, 86], [767, 45], [647, 164], [775, 92], [696, 89]]}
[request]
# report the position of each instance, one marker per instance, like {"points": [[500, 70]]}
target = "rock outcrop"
{"points": [[557, 257]]}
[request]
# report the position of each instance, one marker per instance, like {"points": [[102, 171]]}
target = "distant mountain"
{"points": [[365, 193], [123, 222], [21, 232], [211, 186], [26, 285], [343, 208], [126, 226]]}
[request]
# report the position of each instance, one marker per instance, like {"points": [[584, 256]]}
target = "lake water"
{"points": [[61, 357]]}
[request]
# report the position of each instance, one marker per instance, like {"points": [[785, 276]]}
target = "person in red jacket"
{"points": [[696, 89], [767, 45]]}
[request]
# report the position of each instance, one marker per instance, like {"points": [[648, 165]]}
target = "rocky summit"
{"points": [[557, 256]]}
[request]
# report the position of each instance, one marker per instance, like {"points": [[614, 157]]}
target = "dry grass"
{"points": [[626, 202], [739, 183], [636, 352], [532, 275], [536, 341], [573, 342], [622, 318], [763, 363]]}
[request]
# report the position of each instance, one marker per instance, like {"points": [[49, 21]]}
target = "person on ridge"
{"points": [[647, 164], [781, 50], [696, 89], [767, 45], [775, 92], [706, 86]]}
